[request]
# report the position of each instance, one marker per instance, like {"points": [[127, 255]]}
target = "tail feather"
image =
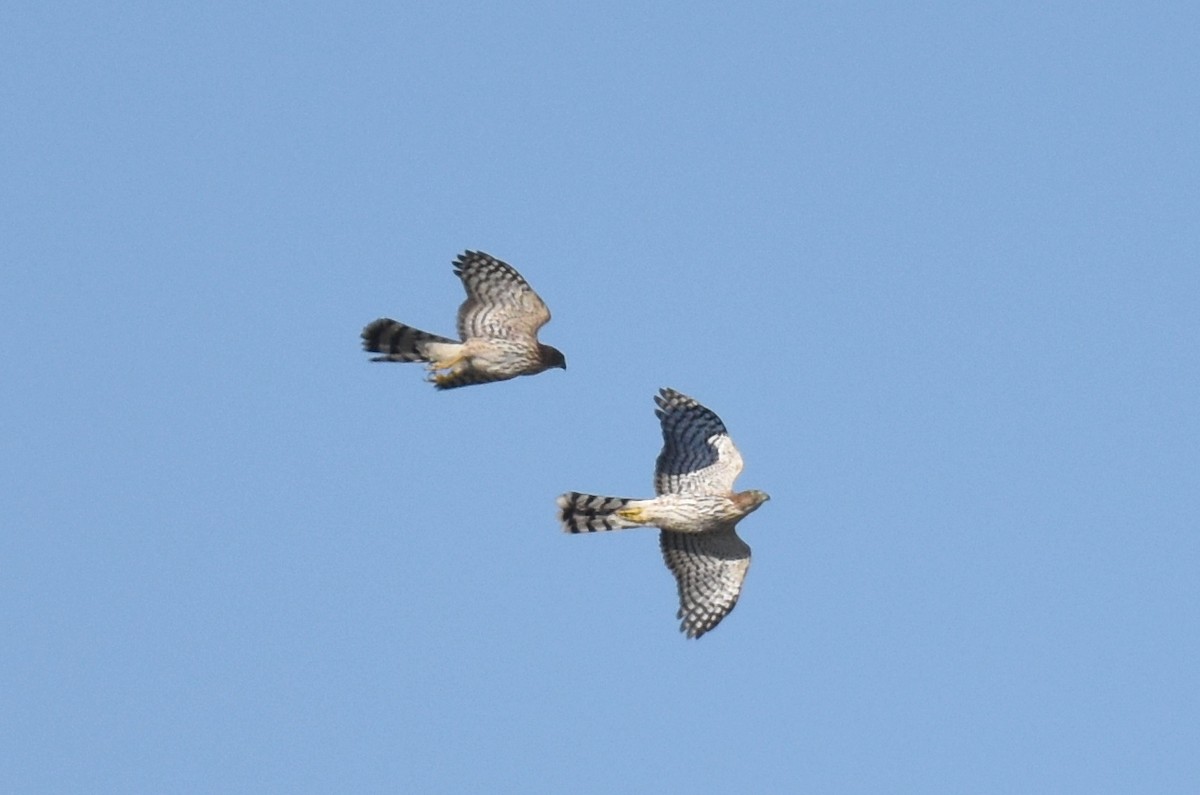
{"points": [[588, 513], [398, 342]]}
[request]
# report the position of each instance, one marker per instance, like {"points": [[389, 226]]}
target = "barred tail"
{"points": [[398, 342], [587, 513]]}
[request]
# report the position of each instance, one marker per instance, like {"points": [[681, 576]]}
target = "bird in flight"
{"points": [[696, 510], [498, 324]]}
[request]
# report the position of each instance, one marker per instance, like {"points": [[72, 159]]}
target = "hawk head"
{"points": [[750, 500], [552, 357]]}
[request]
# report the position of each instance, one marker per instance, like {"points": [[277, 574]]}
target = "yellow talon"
{"points": [[632, 514], [447, 363]]}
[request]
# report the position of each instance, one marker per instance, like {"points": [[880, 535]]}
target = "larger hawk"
{"points": [[498, 324], [696, 510]]}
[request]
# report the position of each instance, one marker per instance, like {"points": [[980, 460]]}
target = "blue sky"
{"points": [[934, 265]]}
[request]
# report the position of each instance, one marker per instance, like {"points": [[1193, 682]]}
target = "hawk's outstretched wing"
{"points": [[698, 457], [709, 569], [500, 303]]}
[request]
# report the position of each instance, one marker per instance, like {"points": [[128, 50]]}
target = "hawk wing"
{"points": [[500, 303], [709, 569], [698, 457]]}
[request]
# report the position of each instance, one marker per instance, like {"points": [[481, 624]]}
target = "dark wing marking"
{"points": [[698, 457]]}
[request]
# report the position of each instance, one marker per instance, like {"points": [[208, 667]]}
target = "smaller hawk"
{"points": [[696, 510], [498, 324]]}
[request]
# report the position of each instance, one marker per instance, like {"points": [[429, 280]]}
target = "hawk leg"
{"points": [[454, 366], [446, 364], [635, 515]]}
